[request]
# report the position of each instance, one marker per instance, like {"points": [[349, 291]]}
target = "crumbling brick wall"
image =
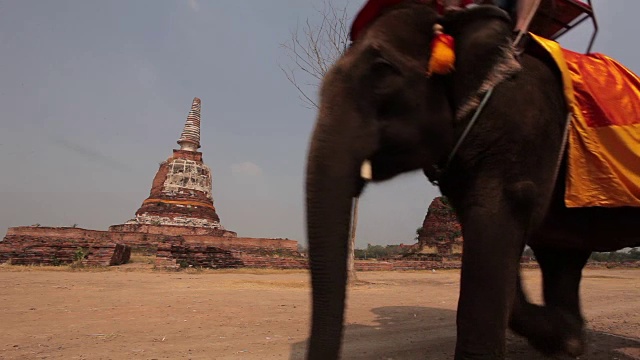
{"points": [[54, 246], [397, 265], [171, 230], [36, 250], [221, 253]]}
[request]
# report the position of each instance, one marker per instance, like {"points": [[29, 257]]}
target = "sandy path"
{"points": [[141, 314]]}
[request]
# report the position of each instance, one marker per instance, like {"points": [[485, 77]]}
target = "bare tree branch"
{"points": [[314, 48], [303, 96]]}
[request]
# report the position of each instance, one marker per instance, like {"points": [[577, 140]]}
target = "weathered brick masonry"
{"points": [[58, 246], [181, 192], [440, 236], [219, 253], [171, 230], [178, 222]]}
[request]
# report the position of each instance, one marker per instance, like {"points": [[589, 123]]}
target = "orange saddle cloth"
{"points": [[604, 133]]}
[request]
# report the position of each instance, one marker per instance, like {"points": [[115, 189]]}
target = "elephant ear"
{"points": [[485, 55]]}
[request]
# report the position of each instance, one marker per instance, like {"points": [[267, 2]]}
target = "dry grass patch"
{"points": [[257, 284], [142, 259], [59, 268]]}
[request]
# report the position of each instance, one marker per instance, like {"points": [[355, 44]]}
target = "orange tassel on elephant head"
{"points": [[443, 55]]}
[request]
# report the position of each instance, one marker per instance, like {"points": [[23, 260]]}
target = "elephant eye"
{"points": [[385, 76], [382, 67]]}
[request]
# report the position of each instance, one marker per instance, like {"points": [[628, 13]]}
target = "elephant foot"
{"points": [[550, 331], [575, 347]]}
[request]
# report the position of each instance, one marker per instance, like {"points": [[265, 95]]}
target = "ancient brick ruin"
{"points": [[60, 246], [186, 251], [440, 237], [181, 192], [177, 222]]}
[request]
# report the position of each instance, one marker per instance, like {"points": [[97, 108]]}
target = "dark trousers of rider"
{"points": [[524, 11]]}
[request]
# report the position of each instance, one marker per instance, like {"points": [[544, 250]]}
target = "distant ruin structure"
{"points": [[440, 237], [181, 192], [177, 222]]}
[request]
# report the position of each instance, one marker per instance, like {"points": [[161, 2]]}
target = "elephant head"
{"points": [[378, 104]]}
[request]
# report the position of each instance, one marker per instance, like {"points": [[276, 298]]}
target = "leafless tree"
{"points": [[312, 49]]}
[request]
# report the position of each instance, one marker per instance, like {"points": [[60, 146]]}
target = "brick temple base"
{"points": [[30, 245]]}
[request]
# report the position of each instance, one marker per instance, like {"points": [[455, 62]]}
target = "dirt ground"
{"points": [[134, 312]]}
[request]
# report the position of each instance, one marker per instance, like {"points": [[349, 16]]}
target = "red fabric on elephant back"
{"points": [[369, 12], [604, 134], [373, 8]]}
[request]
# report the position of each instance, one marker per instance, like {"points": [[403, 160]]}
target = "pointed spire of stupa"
{"points": [[190, 138]]}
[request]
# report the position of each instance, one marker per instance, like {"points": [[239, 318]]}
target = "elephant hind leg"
{"points": [[557, 327], [549, 330]]}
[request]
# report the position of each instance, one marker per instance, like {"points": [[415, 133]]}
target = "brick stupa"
{"points": [[440, 237], [177, 223], [181, 192]]}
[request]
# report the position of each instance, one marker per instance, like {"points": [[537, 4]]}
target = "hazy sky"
{"points": [[94, 94]]}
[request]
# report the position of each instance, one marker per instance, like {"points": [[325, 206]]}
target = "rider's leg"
{"points": [[506, 5], [449, 5]]}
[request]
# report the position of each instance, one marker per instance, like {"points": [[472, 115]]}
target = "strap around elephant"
{"points": [[474, 119]]}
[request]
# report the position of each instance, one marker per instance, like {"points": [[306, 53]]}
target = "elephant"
{"points": [[505, 179]]}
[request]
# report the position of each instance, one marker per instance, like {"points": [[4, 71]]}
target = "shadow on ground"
{"points": [[402, 332]]}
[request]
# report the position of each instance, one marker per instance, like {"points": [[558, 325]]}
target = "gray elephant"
{"points": [[504, 180]]}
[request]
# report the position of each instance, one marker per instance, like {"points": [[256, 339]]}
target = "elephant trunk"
{"points": [[332, 180]]}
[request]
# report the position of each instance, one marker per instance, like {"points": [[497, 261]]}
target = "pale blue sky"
{"points": [[94, 94]]}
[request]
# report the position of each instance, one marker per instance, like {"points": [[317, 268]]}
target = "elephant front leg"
{"points": [[493, 243]]}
